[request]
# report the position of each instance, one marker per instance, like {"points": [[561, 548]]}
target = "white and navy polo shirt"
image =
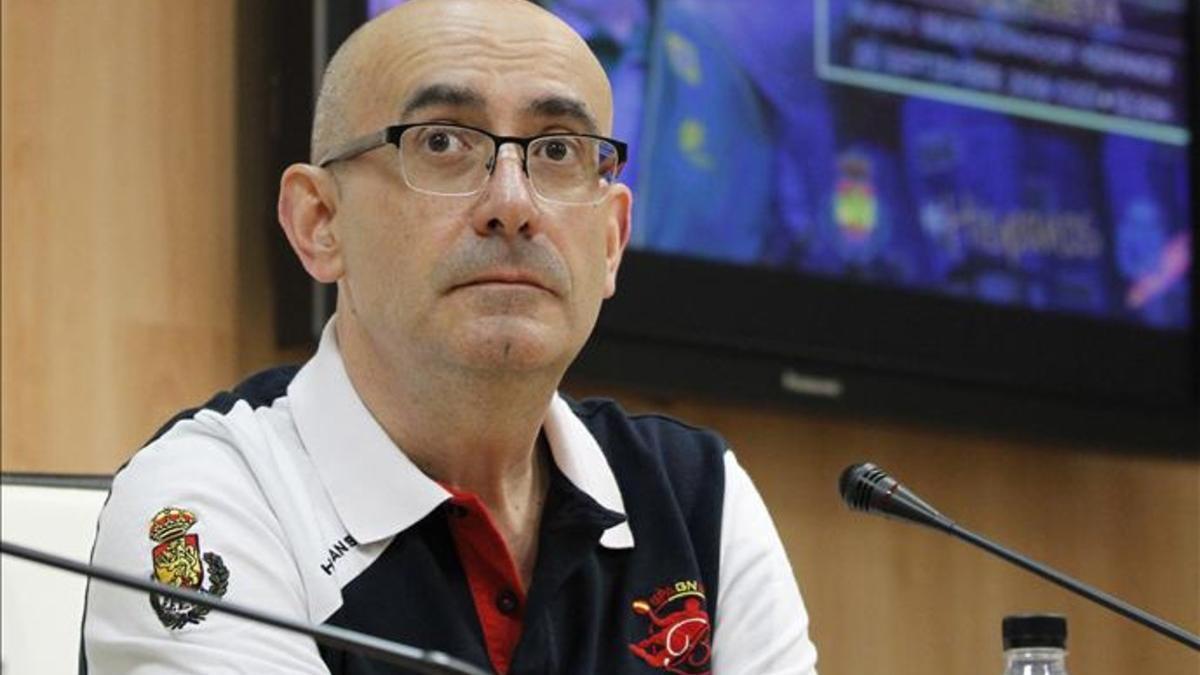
{"points": [[655, 552]]}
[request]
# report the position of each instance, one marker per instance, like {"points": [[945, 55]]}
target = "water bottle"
{"points": [[1035, 644]]}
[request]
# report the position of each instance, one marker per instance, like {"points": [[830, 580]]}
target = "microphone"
{"points": [[866, 487], [427, 662]]}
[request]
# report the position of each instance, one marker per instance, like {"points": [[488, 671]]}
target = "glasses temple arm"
{"points": [[357, 147]]}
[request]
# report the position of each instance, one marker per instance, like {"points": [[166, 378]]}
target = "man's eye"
{"points": [[558, 150], [443, 141], [438, 142]]}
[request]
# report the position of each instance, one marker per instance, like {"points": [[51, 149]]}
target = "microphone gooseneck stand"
{"points": [[427, 662], [866, 487]]}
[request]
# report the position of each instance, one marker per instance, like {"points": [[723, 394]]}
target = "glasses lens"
{"points": [[445, 160], [573, 169]]}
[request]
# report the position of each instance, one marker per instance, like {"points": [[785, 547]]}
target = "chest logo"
{"points": [[678, 636], [339, 548], [178, 561]]}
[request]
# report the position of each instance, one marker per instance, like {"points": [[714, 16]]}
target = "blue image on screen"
{"points": [[822, 139]]}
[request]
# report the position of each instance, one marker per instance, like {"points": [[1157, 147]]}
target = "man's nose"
{"points": [[508, 205]]}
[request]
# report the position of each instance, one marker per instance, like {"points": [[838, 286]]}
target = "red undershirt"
{"points": [[491, 575]]}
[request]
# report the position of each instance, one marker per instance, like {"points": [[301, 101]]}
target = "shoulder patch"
{"points": [[178, 561]]}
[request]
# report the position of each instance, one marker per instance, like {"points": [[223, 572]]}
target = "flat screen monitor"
{"points": [[975, 208]]}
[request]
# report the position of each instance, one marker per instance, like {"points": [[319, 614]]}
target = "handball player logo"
{"points": [[679, 634]]}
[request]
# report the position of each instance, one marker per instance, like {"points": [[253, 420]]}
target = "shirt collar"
{"points": [[577, 454], [377, 490]]}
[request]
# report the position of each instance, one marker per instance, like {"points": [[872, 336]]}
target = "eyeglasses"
{"points": [[455, 160]]}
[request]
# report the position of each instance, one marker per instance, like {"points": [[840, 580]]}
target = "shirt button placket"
{"points": [[507, 602]]}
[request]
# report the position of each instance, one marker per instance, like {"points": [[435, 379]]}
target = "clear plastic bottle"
{"points": [[1035, 644]]}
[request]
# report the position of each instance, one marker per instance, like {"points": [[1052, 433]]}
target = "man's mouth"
{"points": [[501, 278]]}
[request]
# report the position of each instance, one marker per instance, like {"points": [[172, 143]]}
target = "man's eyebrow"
{"points": [[442, 95], [561, 106]]}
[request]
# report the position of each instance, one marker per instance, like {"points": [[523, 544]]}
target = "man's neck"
{"points": [[478, 434]]}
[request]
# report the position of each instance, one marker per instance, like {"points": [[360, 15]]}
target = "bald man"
{"points": [[420, 479]]}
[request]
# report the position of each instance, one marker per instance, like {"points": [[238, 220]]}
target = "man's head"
{"points": [[499, 281]]}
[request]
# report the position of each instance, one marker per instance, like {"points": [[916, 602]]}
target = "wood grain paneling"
{"points": [[134, 284], [119, 233]]}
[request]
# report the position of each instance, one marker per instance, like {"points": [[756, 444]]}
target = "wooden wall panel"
{"points": [[135, 283], [119, 249]]}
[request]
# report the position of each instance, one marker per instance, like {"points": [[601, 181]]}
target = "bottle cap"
{"points": [[1034, 630]]}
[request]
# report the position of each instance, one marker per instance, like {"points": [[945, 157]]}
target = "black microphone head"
{"points": [[857, 484], [866, 487]]}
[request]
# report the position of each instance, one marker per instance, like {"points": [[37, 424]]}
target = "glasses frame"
{"points": [[391, 136]]}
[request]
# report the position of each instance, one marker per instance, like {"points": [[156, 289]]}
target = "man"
{"points": [[420, 479]]}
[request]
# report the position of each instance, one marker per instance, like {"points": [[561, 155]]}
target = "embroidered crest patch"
{"points": [[178, 561], [679, 635]]}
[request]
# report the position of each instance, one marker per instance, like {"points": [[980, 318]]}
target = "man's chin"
{"points": [[500, 345]]}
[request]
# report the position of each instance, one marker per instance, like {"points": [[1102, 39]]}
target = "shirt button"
{"points": [[507, 602]]}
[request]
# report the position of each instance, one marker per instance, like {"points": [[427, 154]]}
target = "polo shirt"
{"points": [[655, 552]]}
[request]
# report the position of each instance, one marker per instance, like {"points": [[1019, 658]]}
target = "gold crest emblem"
{"points": [[178, 561]]}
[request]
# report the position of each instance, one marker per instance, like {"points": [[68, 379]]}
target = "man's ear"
{"points": [[308, 199], [620, 203]]}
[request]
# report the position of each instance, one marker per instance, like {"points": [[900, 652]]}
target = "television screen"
{"points": [[989, 194], [1028, 154]]}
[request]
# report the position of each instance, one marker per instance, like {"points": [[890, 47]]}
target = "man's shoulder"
{"points": [[650, 443], [217, 463], [221, 499], [212, 444], [259, 390], [656, 430]]}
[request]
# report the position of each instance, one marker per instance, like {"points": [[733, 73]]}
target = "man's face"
{"points": [[497, 282]]}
